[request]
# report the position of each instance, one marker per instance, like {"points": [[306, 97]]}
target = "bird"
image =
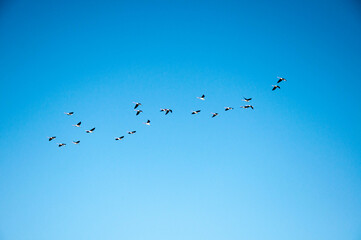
{"points": [[61, 144], [166, 110], [69, 113], [137, 104], [280, 79], [196, 112], [138, 111], [90, 131], [202, 97], [132, 132], [246, 99], [76, 142], [228, 108], [147, 123], [247, 106], [214, 114], [77, 125], [275, 87], [119, 138], [51, 138]]}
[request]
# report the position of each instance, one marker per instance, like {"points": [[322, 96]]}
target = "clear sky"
{"points": [[289, 169]]}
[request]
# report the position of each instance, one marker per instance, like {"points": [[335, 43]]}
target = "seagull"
{"points": [[132, 132], [246, 99], [69, 113], [275, 87], [76, 142], [138, 111], [77, 125], [202, 98], [90, 131], [196, 112], [166, 110], [137, 104], [61, 144], [228, 108], [214, 114], [281, 79], [147, 123], [119, 138], [51, 138], [247, 106]]}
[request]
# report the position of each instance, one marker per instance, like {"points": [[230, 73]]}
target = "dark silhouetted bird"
{"points": [[119, 138], [61, 144], [138, 111], [166, 110], [275, 87], [137, 104], [69, 113], [247, 106], [90, 131], [281, 79], [76, 142], [196, 112], [214, 115], [147, 123], [246, 99], [51, 138], [132, 132], [228, 108], [77, 125], [202, 97]]}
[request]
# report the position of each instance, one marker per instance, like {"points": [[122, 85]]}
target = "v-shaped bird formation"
{"points": [[166, 111]]}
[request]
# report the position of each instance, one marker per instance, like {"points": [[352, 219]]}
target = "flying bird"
{"points": [[214, 114], [147, 123], [246, 99], [51, 138], [77, 125], [247, 106], [137, 104], [76, 142], [61, 144], [90, 131], [202, 97], [275, 87], [280, 79], [119, 138], [138, 111], [166, 110], [196, 112], [132, 132], [228, 108], [69, 113]]}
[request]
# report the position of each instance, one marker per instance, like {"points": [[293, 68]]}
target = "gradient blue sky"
{"points": [[290, 169]]}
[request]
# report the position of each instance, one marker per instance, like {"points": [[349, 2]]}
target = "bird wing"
{"points": [[92, 129]]}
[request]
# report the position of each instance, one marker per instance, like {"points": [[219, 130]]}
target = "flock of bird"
{"points": [[166, 111]]}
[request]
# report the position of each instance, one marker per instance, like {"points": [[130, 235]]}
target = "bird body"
{"points": [[228, 108], [247, 106], [138, 111], [61, 144], [90, 131], [51, 138], [77, 125], [137, 104], [69, 113], [166, 110], [119, 138], [76, 142], [202, 97], [214, 115], [147, 123], [132, 132], [275, 87], [280, 79], [196, 112]]}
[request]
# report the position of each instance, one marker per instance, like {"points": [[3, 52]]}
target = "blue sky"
{"points": [[290, 169]]}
